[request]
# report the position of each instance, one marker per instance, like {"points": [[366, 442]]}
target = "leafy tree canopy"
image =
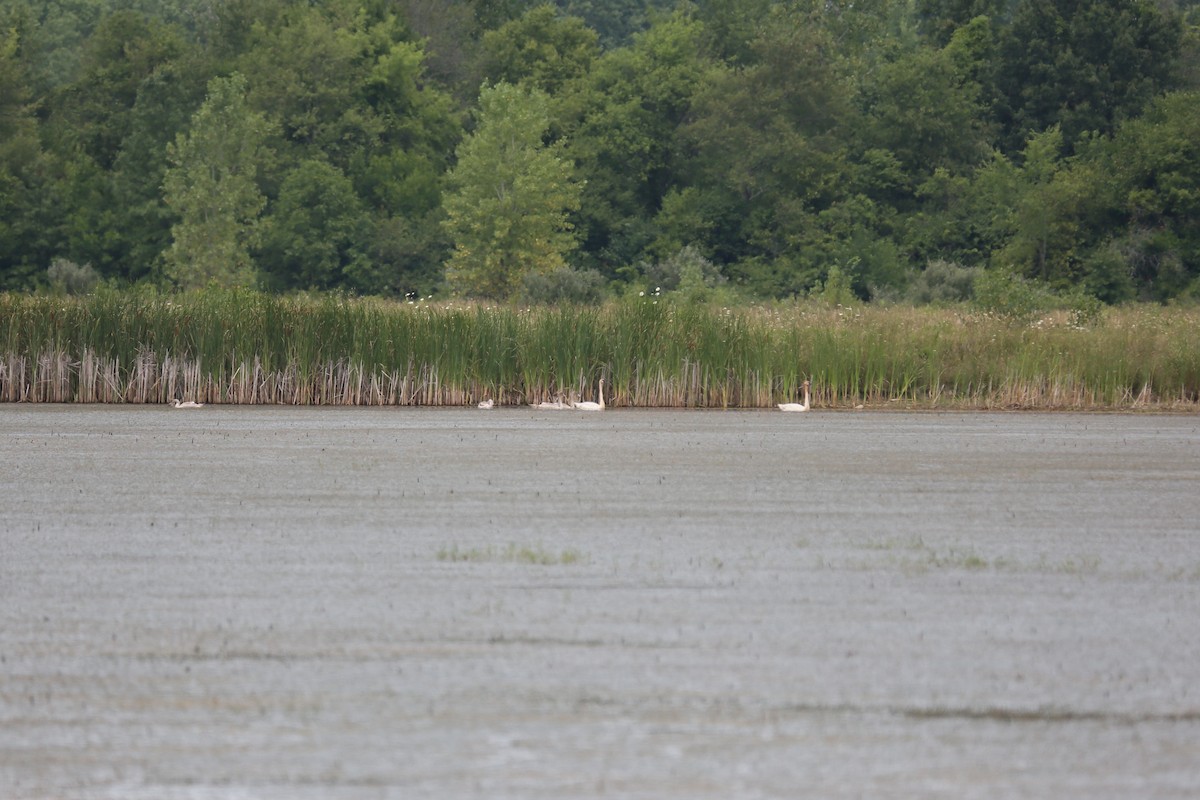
{"points": [[393, 146], [508, 196]]}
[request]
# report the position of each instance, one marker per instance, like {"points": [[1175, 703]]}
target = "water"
{"points": [[412, 603]]}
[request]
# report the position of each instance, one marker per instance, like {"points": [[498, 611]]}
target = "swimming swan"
{"points": [[590, 406], [797, 406], [557, 405], [187, 404], [489, 403]]}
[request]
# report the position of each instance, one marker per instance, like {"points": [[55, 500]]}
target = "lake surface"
{"points": [[256, 602]]}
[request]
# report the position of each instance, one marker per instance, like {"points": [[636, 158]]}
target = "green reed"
{"points": [[248, 347]]}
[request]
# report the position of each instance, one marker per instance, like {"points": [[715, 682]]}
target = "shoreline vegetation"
{"points": [[245, 347]]}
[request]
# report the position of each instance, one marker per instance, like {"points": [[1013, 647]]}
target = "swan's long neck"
{"points": [[806, 397], [601, 398]]}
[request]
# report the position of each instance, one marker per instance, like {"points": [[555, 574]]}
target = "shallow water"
{"points": [[259, 602]]}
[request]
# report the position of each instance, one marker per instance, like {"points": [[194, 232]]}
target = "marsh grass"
{"points": [[510, 554], [246, 347], [913, 555]]}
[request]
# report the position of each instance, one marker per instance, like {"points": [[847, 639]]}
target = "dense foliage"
{"points": [[506, 148]]}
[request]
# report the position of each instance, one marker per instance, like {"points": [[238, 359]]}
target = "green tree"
{"points": [[211, 185], [491, 14], [960, 219], [730, 25], [771, 143], [1084, 65], [616, 21], [165, 103], [925, 108], [20, 162], [94, 113], [446, 27], [1056, 214], [347, 88], [308, 71], [54, 33], [1155, 164], [107, 155], [1034, 217], [509, 196], [939, 19], [624, 122], [317, 231], [541, 48]]}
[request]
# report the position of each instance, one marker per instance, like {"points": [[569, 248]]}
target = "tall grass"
{"points": [[247, 347]]}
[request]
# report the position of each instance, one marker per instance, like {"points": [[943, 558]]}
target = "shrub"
{"points": [[1109, 272], [1003, 292], [564, 285], [942, 282], [837, 289], [686, 270], [67, 277]]}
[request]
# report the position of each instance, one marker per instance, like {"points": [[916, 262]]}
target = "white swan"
{"points": [[187, 404], [587, 405], [557, 405], [797, 406], [489, 403]]}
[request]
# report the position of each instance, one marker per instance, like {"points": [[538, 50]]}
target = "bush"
{"points": [[942, 282], [1003, 292], [1086, 309], [687, 270], [1108, 273], [837, 289], [1009, 295], [564, 285], [67, 277]]}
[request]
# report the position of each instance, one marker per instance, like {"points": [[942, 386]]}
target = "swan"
{"points": [[187, 404], [489, 403], [557, 405], [590, 406], [797, 406]]}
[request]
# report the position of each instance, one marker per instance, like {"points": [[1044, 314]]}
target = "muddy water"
{"points": [[385, 603]]}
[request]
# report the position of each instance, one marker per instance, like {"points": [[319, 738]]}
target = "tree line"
{"points": [[506, 148]]}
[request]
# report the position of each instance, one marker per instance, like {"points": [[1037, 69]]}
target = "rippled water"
{"points": [[414, 603]]}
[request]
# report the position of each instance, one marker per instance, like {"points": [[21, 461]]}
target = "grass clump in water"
{"points": [[510, 554]]}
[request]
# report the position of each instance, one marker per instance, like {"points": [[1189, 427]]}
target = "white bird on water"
{"points": [[556, 405], [797, 406], [489, 403], [187, 404], [587, 405]]}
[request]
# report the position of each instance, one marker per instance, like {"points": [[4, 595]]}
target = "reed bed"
{"points": [[246, 347]]}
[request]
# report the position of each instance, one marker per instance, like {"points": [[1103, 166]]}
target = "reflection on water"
{"points": [[277, 602]]}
